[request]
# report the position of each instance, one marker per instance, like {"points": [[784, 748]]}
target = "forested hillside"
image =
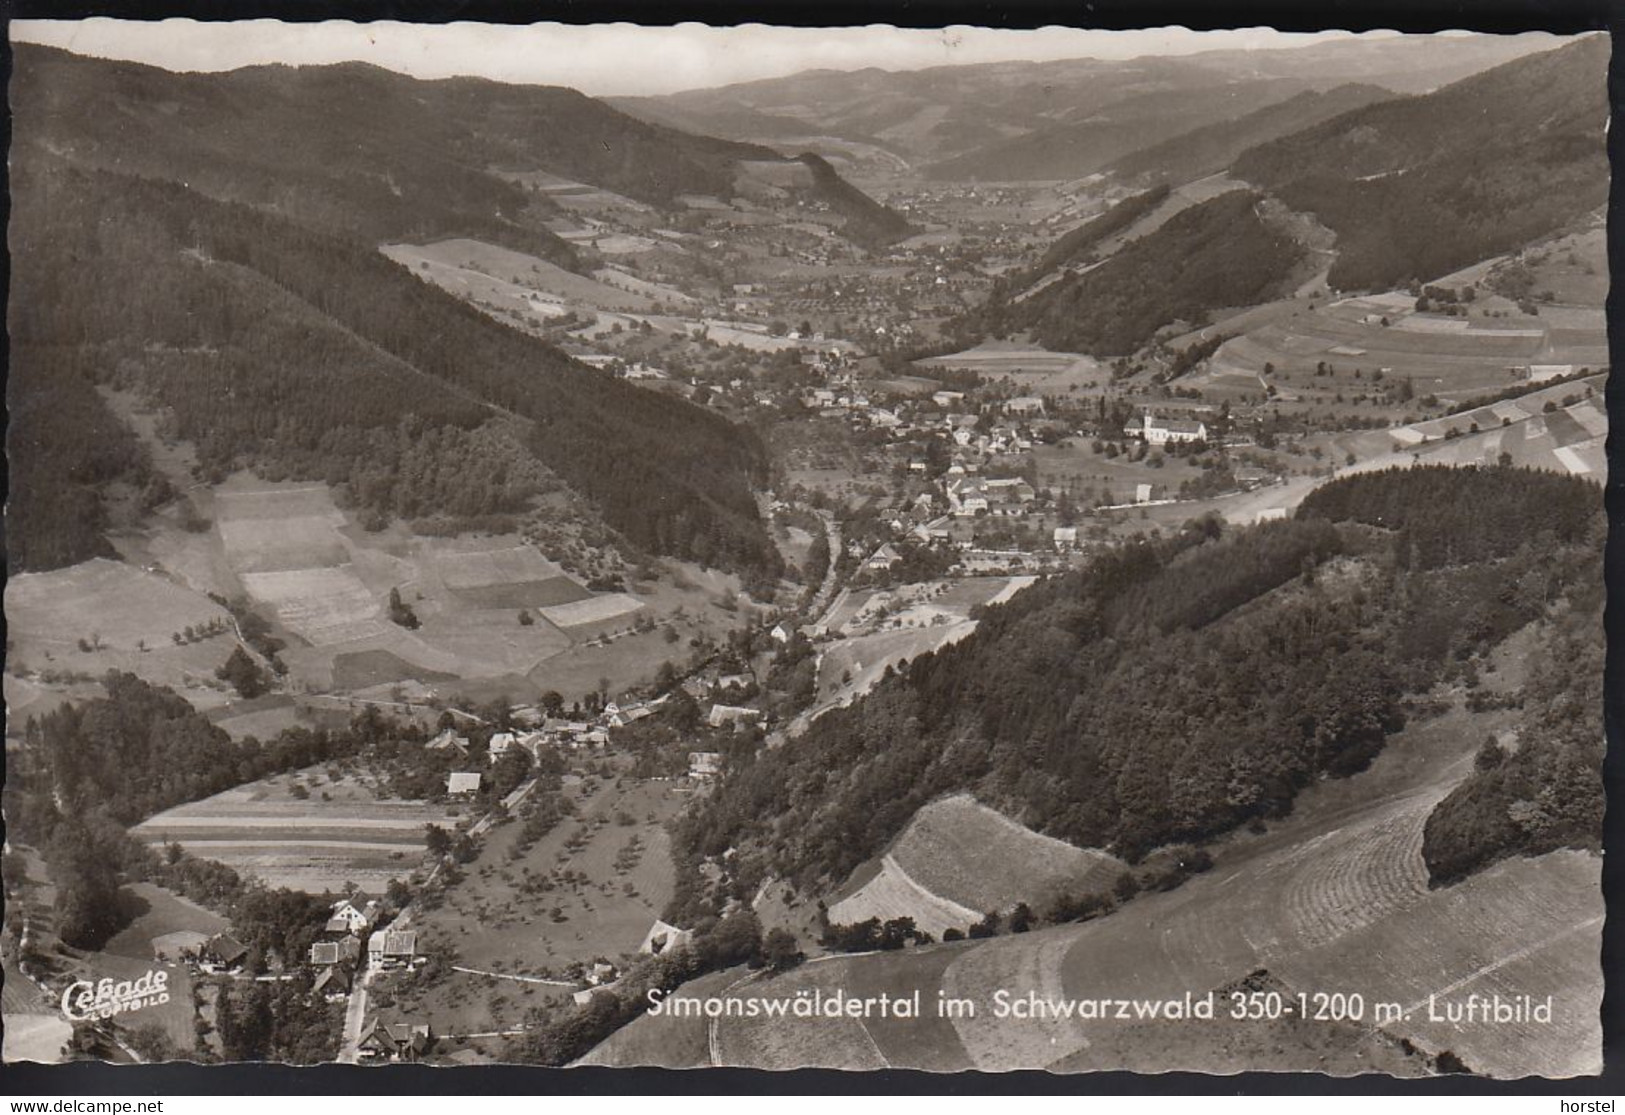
{"points": [[1179, 687], [1419, 186], [1077, 245], [1213, 147], [867, 221], [1217, 254], [63, 446], [377, 154], [307, 355], [1103, 133], [1539, 790]]}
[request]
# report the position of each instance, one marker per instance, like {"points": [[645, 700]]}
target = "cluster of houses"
{"points": [[351, 933], [551, 733], [832, 403], [347, 937], [975, 495], [395, 1041], [556, 733]]}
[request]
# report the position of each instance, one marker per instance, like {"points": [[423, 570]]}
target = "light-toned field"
{"points": [[127, 617], [886, 627], [613, 609], [892, 893], [473, 269], [1036, 368], [263, 829], [958, 859], [920, 603], [853, 666], [121, 603]]}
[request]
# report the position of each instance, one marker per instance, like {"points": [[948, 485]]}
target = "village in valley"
{"points": [[429, 785]]}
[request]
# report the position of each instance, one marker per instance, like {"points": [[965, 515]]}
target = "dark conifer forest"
{"points": [[308, 355], [1217, 254]]}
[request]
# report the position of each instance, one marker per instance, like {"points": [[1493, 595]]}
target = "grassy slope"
{"points": [[975, 859]]}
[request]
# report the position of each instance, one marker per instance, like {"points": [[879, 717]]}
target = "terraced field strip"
{"points": [[1521, 927], [249, 846], [1376, 873], [325, 606], [599, 609]]}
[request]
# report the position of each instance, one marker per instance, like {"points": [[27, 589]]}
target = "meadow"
{"points": [[958, 859], [589, 889]]}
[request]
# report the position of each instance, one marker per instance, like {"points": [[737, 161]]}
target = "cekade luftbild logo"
{"points": [[86, 1001]]}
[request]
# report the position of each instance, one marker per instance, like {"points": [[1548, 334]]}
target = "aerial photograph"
{"points": [[781, 548]]}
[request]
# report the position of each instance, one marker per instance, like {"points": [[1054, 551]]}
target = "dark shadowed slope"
{"points": [[310, 355], [1419, 186], [362, 149]]}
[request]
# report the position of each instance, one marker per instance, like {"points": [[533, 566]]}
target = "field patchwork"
{"points": [[284, 543]]}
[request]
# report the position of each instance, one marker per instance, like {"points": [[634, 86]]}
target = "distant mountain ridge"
{"points": [[366, 150], [939, 113], [1419, 186], [1211, 148], [1413, 187]]}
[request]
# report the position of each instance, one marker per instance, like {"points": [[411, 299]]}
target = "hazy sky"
{"points": [[597, 58]]}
